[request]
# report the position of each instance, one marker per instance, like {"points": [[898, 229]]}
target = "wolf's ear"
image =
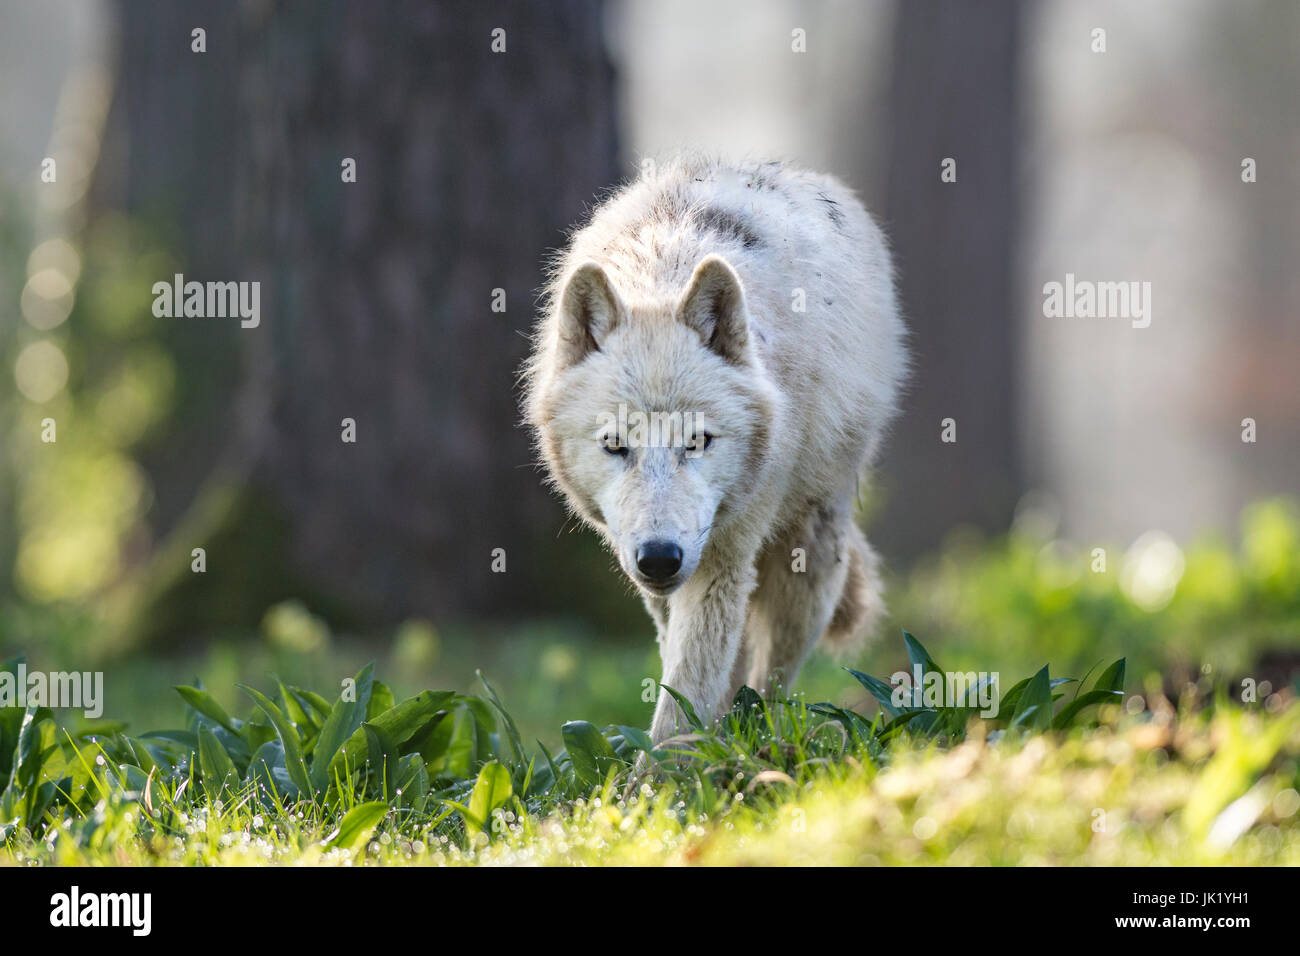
{"points": [[589, 311], [714, 306]]}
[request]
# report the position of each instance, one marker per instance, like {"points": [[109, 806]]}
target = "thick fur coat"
{"points": [[750, 310]]}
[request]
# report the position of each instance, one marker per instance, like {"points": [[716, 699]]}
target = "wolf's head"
{"points": [[654, 417]]}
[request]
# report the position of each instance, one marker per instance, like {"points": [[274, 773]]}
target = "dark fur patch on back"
{"points": [[729, 226], [667, 207], [832, 210]]}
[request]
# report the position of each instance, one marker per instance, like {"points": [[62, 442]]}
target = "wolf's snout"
{"points": [[659, 560]]}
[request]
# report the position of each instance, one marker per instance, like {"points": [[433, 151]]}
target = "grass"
{"points": [[1065, 772]]}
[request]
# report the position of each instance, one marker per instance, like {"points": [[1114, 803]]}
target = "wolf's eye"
{"points": [[613, 445], [700, 442]]}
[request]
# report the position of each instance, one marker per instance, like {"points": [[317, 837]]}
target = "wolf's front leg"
{"points": [[700, 644]]}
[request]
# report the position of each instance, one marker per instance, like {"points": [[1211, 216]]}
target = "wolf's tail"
{"points": [[861, 603]]}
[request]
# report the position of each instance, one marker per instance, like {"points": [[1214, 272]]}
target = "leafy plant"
{"points": [[1171, 610], [453, 767]]}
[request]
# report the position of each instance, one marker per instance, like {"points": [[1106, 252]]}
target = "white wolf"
{"points": [[749, 309]]}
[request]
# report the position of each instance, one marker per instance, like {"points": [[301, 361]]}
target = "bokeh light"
{"points": [[41, 371]]}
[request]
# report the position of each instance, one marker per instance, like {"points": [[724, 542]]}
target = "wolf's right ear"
{"points": [[589, 311]]}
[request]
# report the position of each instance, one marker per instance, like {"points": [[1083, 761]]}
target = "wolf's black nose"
{"points": [[659, 560]]}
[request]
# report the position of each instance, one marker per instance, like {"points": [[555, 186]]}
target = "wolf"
{"points": [[751, 307]]}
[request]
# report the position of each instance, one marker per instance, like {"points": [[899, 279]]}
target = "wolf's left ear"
{"points": [[714, 306]]}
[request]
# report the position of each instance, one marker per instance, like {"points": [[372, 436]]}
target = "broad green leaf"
{"points": [[432, 740], [491, 791], [463, 744], [343, 721], [144, 756], [400, 723], [134, 779], [412, 781], [919, 656], [971, 700], [920, 717], [589, 752], [357, 824], [319, 704], [293, 761], [1011, 699], [11, 722], [381, 700], [292, 707], [215, 764], [206, 705], [688, 710], [747, 707], [34, 739], [877, 688], [184, 738], [1065, 718], [1034, 709], [637, 737], [267, 769], [1112, 678], [234, 744], [856, 725]]}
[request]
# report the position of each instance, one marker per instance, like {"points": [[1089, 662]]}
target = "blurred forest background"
{"points": [[377, 304]]}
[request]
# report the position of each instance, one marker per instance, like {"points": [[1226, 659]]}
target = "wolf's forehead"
{"points": [[671, 387], [632, 410], [660, 395]]}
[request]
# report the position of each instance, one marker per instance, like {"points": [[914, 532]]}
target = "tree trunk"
{"points": [[954, 96], [377, 302], [378, 295]]}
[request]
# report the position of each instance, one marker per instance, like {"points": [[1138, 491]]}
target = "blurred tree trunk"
{"points": [[954, 94], [377, 295], [377, 305]]}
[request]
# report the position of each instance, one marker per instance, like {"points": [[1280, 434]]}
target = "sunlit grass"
{"points": [[445, 779], [1108, 796]]}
